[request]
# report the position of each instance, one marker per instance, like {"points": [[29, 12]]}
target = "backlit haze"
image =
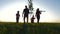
{"points": [[9, 8]]}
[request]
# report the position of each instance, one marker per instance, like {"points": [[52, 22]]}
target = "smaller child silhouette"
{"points": [[32, 19]]}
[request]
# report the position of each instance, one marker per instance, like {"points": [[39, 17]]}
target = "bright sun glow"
{"points": [[8, 14]]}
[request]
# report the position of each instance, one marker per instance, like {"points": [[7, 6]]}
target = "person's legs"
{"points": [[27, 19], [38, 21], [32, 21], [24, 19], [17, 20], [38, 18]]}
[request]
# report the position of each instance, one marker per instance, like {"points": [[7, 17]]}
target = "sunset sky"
{"points": [[8, 9]]}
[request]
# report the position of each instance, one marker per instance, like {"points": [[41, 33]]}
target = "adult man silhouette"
{"points": [[38, 15], [17, 16], [26, 12]]}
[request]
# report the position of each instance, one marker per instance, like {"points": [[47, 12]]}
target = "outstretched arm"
{"points": [[42, 11]]}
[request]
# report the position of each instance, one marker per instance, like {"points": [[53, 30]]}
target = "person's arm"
{"points": [[16, 14], [36, 13], [34, 18], [23, 12], [19, 15], [28, 11], [40, 12]]}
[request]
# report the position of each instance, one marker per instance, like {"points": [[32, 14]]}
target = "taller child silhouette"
{"points": [[17, 16]]}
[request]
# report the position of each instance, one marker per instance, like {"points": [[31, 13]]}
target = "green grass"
{"points": [[29, 28]]}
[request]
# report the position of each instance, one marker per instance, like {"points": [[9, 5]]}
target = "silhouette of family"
{"points": [[26, 13]]}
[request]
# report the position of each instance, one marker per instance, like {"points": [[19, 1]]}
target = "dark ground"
{"points": [[29, 28]]}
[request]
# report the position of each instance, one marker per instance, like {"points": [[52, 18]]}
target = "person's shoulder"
{"points": [[27, 8], [16, 14]]}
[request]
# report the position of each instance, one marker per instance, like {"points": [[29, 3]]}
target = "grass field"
{"points": [[29, 28]]}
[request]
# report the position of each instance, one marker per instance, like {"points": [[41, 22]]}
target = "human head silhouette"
{"points": [[17, 11], [33, 15], [25, 6], [38, 9]]}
